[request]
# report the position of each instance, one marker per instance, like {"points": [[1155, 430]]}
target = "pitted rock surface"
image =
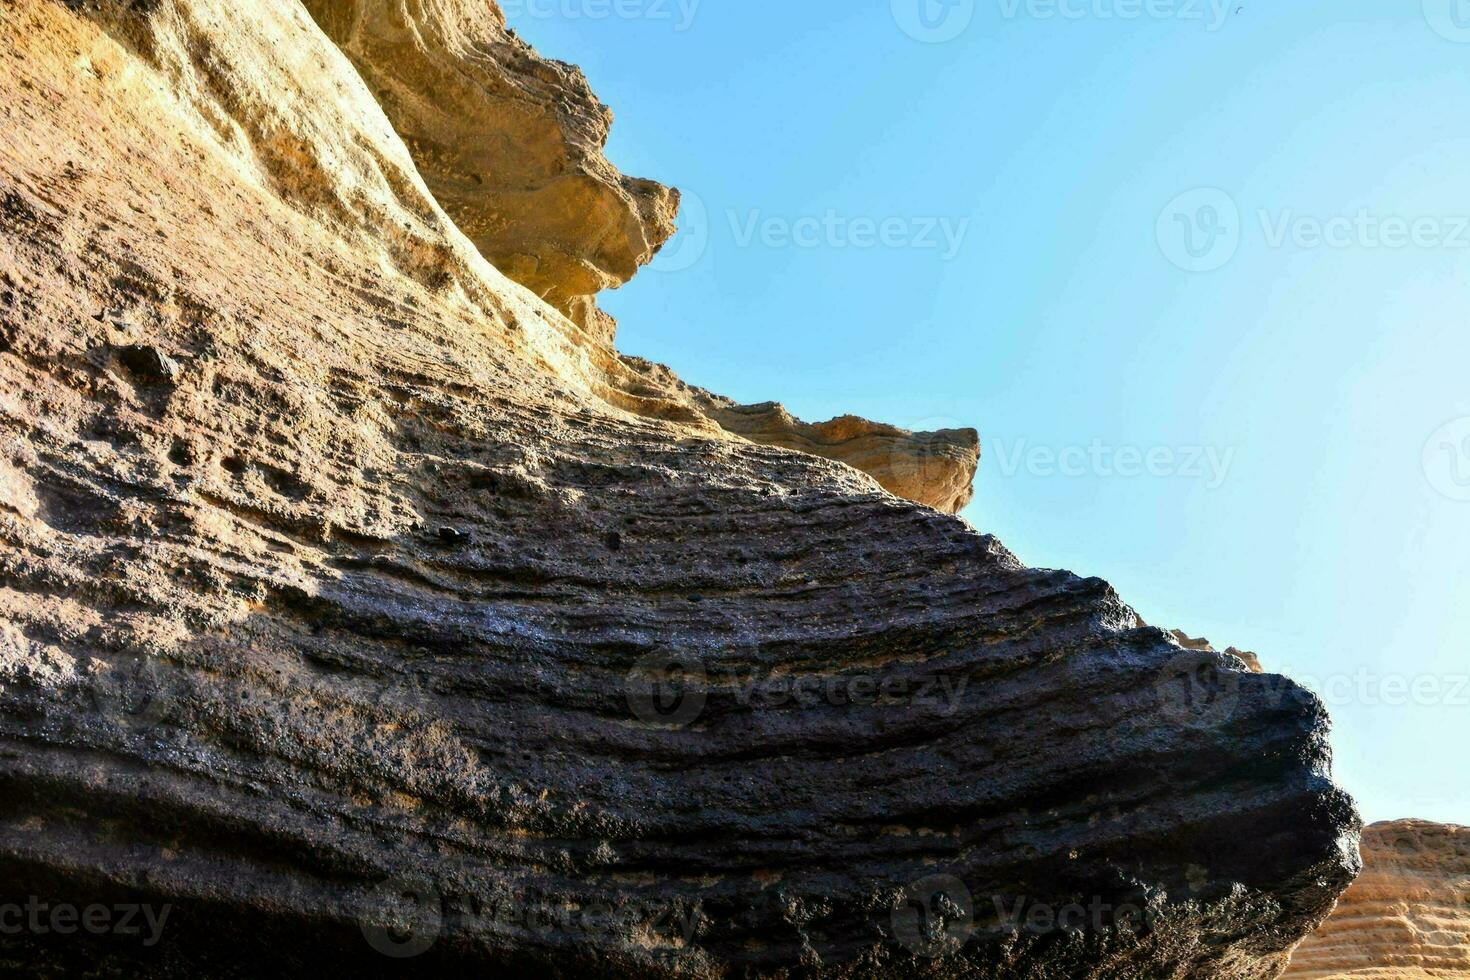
{"points": [[389, 619]]}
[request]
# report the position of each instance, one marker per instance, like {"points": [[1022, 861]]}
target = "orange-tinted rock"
{"points": [[936, 469], [1203, 645], [1407, 917]]}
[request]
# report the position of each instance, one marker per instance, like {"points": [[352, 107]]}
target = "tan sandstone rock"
{"points": [[1203, 645], [936, 469], [510, 143], [1406, 918]]}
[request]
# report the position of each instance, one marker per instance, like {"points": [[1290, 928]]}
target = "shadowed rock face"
{"points": [[510, 143], [351, 609], [1406, 918]]}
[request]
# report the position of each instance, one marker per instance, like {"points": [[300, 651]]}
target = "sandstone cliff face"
{"points": [[511, 144], [338, 570], [1406, 918]]}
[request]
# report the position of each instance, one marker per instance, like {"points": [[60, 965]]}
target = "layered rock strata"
{"points": [[1201, 644], [936, 469], [353, 614], [1406, 918], [510, 143]]}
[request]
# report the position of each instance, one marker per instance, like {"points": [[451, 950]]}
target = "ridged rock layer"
{"points": [[352, 605], [1406, 918], [510, 143], [936, 469]]}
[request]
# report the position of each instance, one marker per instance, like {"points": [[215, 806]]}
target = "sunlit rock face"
{"points": [[353, 606], [936, 469], [510, 143], [1190, 643], [1406, 918]]}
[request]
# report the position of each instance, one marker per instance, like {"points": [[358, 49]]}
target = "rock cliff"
{"points": [[1190, 643], [1406, 918], [359, 610], [510, 143]]}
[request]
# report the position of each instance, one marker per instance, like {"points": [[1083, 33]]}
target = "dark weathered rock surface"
{"points": [[786, 725]]}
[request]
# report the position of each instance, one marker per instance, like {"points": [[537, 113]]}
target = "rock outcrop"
{"points": [[1406, 918], [510, 143], [936, 469], [359, 612], [1201, 644]]}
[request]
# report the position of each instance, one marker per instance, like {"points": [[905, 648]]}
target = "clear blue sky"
{"points": [[1291, 363]]}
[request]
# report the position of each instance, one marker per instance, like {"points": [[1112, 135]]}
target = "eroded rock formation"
{"points": [[1406, 918], [1201, 644], [336, 568], [510, 143], [936, 469]]}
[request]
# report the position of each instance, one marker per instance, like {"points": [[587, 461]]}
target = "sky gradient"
{"points": [[1198, 274]]}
